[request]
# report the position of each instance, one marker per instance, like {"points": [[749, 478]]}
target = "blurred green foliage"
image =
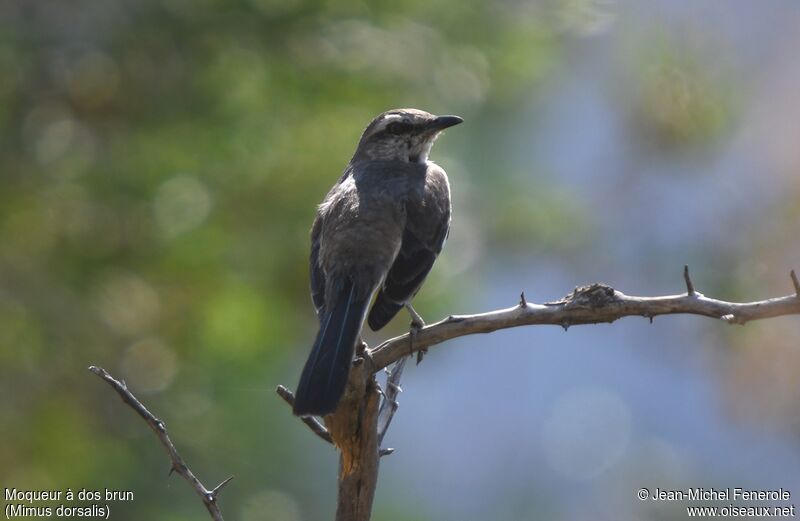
{"points": [[160, 164]]}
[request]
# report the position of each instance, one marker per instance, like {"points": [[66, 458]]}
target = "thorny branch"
{"points": [[593, 304], [358, 426], [209, 497]]}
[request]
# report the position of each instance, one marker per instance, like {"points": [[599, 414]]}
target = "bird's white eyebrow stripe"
{"points": [[392, 116]]}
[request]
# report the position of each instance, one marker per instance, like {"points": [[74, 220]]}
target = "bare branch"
{"points": [[209, 497], [313, 423], [390, 394], [592, 304]]}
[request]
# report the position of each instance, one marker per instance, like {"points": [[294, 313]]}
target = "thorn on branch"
{"points": [[689, 286], [524, 303], [795, 282], [314, 424], [565, 324], [219, 487], [385, 452]]}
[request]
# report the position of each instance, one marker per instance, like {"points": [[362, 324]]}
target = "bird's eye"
{"points": [[398, 127]]}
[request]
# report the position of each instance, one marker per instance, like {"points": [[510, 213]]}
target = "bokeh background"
{"points": [[160, 162]]}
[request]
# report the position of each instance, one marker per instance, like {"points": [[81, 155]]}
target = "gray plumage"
{"points": [[379, 230]]}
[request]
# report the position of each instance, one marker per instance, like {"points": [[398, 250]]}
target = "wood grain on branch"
{"points": [[209, 497]]}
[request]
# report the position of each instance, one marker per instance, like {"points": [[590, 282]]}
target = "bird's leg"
{"points": [[416, 319], [416, 324]]}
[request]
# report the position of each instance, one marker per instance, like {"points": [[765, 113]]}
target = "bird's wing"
{"points": [[407, 273], [317, 275]]}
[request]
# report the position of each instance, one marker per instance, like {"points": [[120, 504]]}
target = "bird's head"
{"points": [[402, 135]]}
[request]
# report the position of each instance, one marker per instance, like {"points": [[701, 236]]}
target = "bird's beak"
{"points": [[443, 122]]}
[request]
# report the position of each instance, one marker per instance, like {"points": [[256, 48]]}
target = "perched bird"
{"points": [[379, 230]]}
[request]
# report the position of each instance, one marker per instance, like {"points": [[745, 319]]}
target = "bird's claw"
{"points": [[413, 331], [416, 326]]}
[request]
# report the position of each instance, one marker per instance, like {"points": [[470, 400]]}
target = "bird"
{"points": [[376, 235]]}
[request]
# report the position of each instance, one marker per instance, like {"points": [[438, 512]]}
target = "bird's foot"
{"points": [[416, 325]]}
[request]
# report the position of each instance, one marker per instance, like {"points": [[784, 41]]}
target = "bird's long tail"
{"points": [[325, 374]]}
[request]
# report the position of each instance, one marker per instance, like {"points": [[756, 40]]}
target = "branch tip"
{"points": [[795, 282], [286, 394], [314, 424], [689, 286], [385, 452]]}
